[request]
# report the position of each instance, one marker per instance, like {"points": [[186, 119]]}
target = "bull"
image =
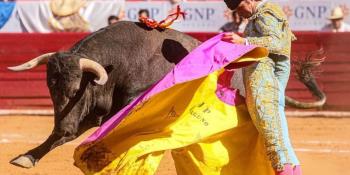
{"points": [[100, 75]]}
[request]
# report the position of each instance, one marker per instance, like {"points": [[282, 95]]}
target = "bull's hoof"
{"points": [[24, 161]]}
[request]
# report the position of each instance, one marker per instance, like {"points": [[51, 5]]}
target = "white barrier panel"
{"points": [[34, 16], [311, 14], [200, 16], [304, 15]]}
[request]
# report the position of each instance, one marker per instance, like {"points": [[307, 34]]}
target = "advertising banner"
{"points": [[202, 16]]}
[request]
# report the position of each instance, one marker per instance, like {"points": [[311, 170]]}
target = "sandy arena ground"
{"points": [[322, 144]]}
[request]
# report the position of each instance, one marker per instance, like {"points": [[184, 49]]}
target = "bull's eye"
{"points": [[78, 76]]}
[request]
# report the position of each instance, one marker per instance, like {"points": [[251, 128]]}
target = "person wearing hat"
{"points": [[337, 22], [265, 81]]}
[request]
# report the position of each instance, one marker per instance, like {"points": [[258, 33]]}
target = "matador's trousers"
{"points": [[265, 84]]}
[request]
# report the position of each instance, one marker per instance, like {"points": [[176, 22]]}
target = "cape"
{"points": [[193, 112]]}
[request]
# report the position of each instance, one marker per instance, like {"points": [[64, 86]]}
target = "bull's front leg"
{"points": [[57, 138], [29, 159]]}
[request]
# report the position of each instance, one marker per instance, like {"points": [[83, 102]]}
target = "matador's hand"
{"points": [[233, 38]]}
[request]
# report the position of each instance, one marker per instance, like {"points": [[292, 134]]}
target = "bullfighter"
{"points": [[266, 81]]}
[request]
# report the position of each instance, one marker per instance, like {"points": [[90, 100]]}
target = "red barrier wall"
{"points": [[28, 89]]}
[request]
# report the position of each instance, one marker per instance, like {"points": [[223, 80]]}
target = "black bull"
{"points": [[128, 54], [104, 71]]}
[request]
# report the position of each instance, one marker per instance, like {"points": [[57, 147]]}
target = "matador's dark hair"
{"points": [[232, 4]]}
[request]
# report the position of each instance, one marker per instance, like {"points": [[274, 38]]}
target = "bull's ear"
{"points": [[109, 68]]}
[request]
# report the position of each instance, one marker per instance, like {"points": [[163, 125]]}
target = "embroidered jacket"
{"points": [[269, 28]]}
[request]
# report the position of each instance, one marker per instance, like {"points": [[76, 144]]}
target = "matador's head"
{"points": [[245, 8]]}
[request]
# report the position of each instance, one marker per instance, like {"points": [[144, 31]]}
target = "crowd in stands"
{"points": [[237, 23], [336, 22], [114, 19]]}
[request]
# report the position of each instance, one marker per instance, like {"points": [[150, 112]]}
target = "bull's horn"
{"points": [[42, 59], [96, 68]]}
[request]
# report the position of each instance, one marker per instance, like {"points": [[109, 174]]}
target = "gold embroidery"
{"points": [[262, 101], [269, 28]]}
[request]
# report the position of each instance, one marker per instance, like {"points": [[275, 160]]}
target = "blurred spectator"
{"points": [[337, 22], [143, 13], [66, 16], [112, 19], [236, 24], [175, 2], [121, 14]]}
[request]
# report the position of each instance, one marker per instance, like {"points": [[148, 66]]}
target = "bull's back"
{"points": [[132, 47], [125, 38], [139, 56]]}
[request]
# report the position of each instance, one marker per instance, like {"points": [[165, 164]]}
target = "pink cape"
{"points": [[210, 56]]}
